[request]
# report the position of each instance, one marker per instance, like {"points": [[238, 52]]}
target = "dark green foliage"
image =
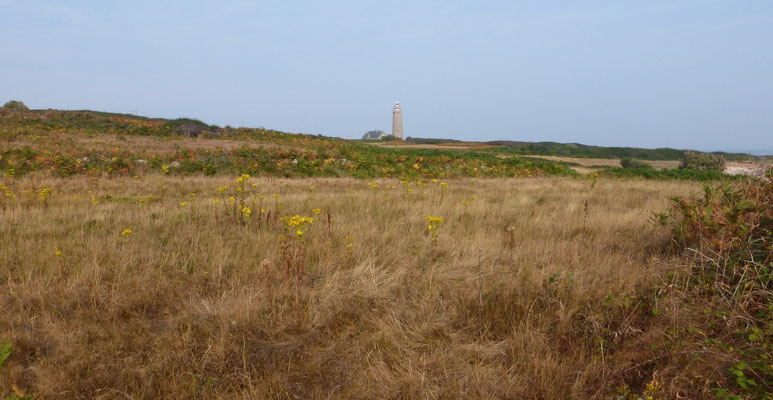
{"points": [[429, 140], [633, 163], [15, 105], [585, 151], [188, 127]]}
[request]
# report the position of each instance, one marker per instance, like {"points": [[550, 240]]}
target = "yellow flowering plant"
{"points": [[433, 226], [5, 196], [241, 181], [298, 225]]}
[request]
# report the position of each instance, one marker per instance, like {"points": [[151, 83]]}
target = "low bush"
{"points": [[727, 234], [15, 105], [633, 163], [702, 161], [188, 127]]}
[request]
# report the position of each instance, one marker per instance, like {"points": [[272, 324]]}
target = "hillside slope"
{"points": [[64, 143]]}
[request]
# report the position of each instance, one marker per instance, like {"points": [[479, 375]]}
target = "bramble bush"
{"points": [[727, 236]]}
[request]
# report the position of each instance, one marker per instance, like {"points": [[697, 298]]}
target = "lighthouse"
{"points": [[397, 121]]}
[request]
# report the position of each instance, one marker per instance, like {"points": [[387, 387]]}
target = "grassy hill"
{"points": [[64, 143]]}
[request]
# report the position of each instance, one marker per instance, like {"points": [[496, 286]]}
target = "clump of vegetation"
{"points": [[188, 127], [725, 293], [15, 105], [628, 162], [729, 219], [429, 140], [702, 161]]}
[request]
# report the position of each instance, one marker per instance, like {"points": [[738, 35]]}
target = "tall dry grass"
{"points": [[526, 294]]}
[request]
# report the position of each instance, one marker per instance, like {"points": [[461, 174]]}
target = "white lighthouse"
{"points": [[397, 121]]}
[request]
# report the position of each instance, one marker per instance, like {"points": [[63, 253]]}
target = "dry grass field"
{"points": [[588, 165], [579, 164], [161, 287]]}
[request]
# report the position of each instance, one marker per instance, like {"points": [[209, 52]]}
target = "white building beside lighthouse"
{"points": [[397, 121]]}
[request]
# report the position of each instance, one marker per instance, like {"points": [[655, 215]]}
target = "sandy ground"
{"points": [[747, 168]]}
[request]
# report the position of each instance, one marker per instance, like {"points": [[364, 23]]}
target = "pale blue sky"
{"points": [[680, 73]]}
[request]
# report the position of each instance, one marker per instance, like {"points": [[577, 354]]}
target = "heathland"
{"points": [[243, 263]]}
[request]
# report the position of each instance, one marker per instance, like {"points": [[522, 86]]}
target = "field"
{"points": [[590, 165], [139, 287], [137, 263]]}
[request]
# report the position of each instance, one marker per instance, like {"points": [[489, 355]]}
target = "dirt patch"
{"points": [[585, 165], [756, 169]]}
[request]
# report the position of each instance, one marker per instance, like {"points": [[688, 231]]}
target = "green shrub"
{"points": [[188, 127], [696, 160], [15, 105], [633, 163], [727, 235]]}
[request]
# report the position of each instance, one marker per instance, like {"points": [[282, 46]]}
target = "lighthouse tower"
{"points": [[397, 121]]}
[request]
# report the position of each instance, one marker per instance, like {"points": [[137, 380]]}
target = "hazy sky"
{"points": [[685, 74]]}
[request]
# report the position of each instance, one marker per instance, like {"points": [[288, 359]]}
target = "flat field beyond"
{"points": [[159, 287]]}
